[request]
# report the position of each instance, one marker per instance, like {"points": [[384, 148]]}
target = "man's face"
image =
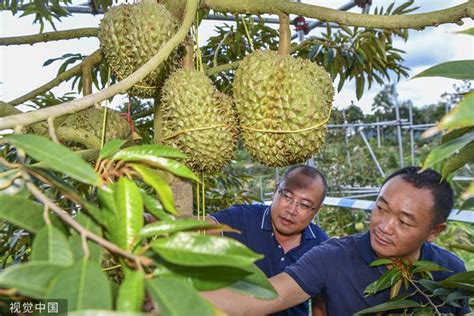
{"points": [[295, 202], [402, 220]]}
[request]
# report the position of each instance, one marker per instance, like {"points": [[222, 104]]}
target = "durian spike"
{"points": [[285, 35], [188, 60]]}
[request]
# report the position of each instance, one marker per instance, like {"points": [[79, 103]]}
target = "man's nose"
{"points": [[293, 208], [387, 226]]}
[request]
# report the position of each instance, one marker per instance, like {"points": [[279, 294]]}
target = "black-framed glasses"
{"points": [[289, 199]]}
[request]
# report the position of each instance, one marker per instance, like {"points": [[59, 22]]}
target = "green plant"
{"points": [[408, 279], [105, 232]]}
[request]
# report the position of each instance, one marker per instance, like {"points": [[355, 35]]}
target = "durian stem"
{"points": [[158, 121], [74, 106], [87, 65], [249, 38], [49, 36], [189, 53], [285, 35]]}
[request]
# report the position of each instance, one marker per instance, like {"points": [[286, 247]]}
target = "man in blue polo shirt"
{"points": [[410, 212], [283, 232]]}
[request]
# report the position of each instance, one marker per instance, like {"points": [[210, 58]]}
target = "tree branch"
{"points": [[87, 65], [49, 36], [76, 70], [412, 21], [223, 67], [87, 101], [83, 231]]}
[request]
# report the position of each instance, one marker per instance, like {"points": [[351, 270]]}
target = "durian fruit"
{"points": [[198, 120], [130, 35], [84, 128], [283, 105]]}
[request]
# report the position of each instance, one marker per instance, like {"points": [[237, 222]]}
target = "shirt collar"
{"points": [[365, 249], [266, 224]]}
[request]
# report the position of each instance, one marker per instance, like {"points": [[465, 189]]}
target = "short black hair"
{"points": [[429, 179], [310, 172]]}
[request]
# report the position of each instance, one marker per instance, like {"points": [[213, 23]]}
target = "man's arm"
{"points": [[233, 303], [318, 307]]}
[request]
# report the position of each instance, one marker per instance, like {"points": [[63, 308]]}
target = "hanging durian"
{"points": [[197, 119], [283, 104], [130, 35], [84, 128]]}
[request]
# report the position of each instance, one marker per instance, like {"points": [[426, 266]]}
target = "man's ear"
{"points": [[435, 231]]}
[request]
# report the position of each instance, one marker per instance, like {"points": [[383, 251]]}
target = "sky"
{"points": [[21, 67]]}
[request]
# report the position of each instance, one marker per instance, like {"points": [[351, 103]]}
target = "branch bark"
{"points": [[87, 101], [49, 36], [76, 70], [87, 65], [412, 21]]}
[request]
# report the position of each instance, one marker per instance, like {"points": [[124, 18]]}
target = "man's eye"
{"points": [[305, 207]]}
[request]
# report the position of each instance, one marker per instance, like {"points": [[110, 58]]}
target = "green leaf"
{"points": [[184, 224], [380, 262], [110, 148], [426, 266], [447, 149], [96, 312], [459, 69], [25, 214], [50, 245], [176, 297], [22, 212], [468, 31], [455, 133], [56, 157], [129, 216], [161, 186], [388, 279], [462, 280], [189, 249], [68, 190], [148, 153], [155, 207], [461, 116], [201, 278], [360, 82], [396, 304], [84, 286], [131, 292], [95, 251], [463, 157], [172, 166], [256, 285], [31, 278]]}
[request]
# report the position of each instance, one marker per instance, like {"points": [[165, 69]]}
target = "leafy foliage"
{"points": [[62, 264], [416, 278]]}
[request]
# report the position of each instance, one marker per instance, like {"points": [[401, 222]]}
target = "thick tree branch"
{"points": [[76, 70], [49, 36], [87, 101], [223, 67], [412, 21], [87, 65]]}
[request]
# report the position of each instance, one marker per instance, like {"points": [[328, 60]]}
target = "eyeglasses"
{"points": [[289, 199]]}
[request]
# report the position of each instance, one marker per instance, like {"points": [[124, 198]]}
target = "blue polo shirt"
{"points": [[255, 224], [339, 270]]}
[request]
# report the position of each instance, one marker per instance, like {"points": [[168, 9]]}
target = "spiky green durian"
{"points": [[198, 120], [283, 104], [86, 128], [130, 35]]}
